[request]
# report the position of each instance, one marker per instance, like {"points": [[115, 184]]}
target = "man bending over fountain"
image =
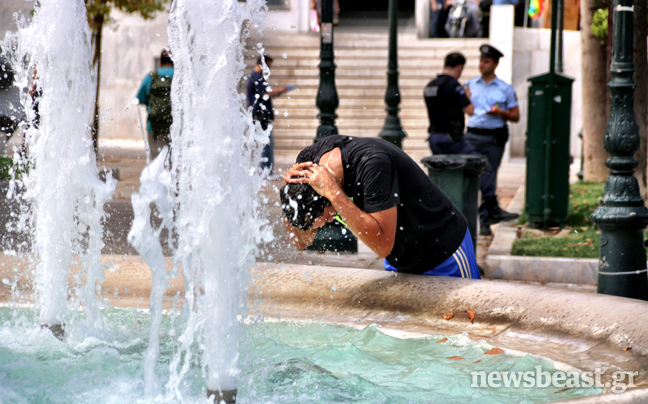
{"points": [[385, 199]]}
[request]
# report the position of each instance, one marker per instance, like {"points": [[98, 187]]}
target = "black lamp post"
{"points": [[327, 97], [392, 130], [333, 236], [561, 17], [622, 215]]}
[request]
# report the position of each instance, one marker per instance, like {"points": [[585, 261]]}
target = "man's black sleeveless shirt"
{"points": [[378, 176], [445, 99]]}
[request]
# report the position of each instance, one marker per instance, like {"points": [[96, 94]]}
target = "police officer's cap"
{"points": [[488, 51]]}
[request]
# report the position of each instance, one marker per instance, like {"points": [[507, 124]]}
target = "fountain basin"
{"points": [[583, 330]]}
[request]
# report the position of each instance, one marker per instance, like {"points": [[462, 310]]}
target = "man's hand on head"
{"points": [[297, 172], [321, 178]]}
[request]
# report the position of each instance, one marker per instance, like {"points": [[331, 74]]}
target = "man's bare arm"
{"points": [[512, 114], [377, 230], [276, 92]]}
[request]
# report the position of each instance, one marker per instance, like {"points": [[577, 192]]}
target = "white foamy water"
{"points": [[66, 195], [215, 154]]}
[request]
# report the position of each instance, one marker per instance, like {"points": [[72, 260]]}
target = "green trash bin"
{"points": [[458, 176], [547, 150]]}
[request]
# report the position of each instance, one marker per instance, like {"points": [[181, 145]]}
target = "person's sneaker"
{"points": [[274, 177], [500, 215]]}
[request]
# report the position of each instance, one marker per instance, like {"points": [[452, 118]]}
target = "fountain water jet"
{"points": [[215, 215], [52, 57]]}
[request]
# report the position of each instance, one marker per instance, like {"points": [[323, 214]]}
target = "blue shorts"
{"points": [[461, 264]]}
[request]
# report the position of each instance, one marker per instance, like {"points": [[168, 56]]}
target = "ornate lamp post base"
{"points": [[334, 237], [622, 215]]}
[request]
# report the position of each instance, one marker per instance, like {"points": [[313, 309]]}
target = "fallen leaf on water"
{"points": [[448, 316], [471, 315], [494, 351], [477, 361], [442, 340], [455, 357], [627, 348]]}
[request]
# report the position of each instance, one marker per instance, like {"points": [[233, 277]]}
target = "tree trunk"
{"points": [[96, 60], [595, 96], [641, 92]]}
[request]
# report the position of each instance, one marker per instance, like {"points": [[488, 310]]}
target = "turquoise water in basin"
{"points": [[282, 362]]}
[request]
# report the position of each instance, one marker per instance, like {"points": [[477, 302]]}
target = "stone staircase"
{"points": [[361, 60]]}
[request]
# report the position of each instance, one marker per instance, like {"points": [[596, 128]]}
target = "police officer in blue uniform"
{"points": [[495, 104], [447, 102]]}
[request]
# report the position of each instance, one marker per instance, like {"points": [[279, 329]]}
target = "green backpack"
{"points": [[160, 104]]}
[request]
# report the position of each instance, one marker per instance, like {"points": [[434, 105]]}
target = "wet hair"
{"points": [[267, 58], [165, 57], [454, 59], [301, 205]]}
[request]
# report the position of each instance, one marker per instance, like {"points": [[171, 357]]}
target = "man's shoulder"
{"points": [[443, 79]]}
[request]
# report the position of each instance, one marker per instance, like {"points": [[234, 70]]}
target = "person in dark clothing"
{"points": [[447, 102], [259, 98], [385, 199]]}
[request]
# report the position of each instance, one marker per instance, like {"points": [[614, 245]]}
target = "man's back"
{"points": [[446, 99]]}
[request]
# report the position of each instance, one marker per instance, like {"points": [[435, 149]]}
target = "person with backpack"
{"points": [[155, 93]]}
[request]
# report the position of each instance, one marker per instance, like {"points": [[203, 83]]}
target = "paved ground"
{"points": [[129, 158]]}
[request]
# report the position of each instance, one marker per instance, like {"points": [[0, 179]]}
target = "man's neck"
{"points": [[450, 72], [488, 77], [257, 68]]}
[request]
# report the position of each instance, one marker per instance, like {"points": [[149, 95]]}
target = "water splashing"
{"points": [[53, 59], [214, 155]]}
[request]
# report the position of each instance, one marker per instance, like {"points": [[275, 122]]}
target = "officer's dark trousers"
{"points": [[442, 143], [485, 145]]}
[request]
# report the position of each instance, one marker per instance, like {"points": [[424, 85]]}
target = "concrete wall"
{"points": [[294, 16], [531, 57], [129, 53], [7, 10]]}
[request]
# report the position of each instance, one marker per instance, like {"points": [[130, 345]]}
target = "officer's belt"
{"points": [[487, 132]]}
